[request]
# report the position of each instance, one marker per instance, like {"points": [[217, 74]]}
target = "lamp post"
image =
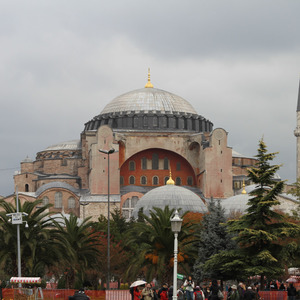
{"points": [[17, 219], [176, 222], [108, 152]]}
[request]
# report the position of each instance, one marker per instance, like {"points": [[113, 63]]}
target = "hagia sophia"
{"points": [[132, 146]]}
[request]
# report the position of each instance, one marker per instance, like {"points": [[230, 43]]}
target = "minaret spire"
{"points": [[170, 180], [149, 84], [297, 135]]}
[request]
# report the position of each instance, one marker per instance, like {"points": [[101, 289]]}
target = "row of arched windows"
{"points": [[154, 163], [155, 180], [58, 203]]}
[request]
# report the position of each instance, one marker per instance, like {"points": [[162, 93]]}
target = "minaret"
{"points": [[297, 134]]}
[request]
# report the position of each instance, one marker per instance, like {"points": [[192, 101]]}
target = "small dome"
{"points": [[27, 160], [149, 100], [238, 203], [173, 196]]}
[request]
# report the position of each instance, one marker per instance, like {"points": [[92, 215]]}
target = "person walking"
{"points": [[291, 292], [233, 293], [189, 288], [163, 292], [137, 293], [241, 290], [215, 291], [249, 294], [147, 292], [180, 293], [198, 293]]}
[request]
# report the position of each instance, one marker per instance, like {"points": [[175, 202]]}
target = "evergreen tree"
{"points": [[262, 232], [295, 191], [213, 239]]}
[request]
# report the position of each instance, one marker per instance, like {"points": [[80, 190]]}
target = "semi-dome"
{"points": [[61, 150], [149, 100], [173, 196]]}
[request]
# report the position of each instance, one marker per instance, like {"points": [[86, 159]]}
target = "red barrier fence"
{"points": [[10, 294], [273, 295]]}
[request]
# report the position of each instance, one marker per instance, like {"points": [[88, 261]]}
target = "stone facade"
{"points": [[151, 132]]}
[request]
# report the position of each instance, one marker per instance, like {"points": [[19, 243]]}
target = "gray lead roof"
{"points": [[173, 196], [149, 99]]}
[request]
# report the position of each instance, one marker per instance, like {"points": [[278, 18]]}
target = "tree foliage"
{"points": [[262, 232], [213, 238], [37, 249], [152, 243], [79, 243]]}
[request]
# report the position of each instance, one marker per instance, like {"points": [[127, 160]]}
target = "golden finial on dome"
{"points": [[170, 180], [149, 84], [244, 190]]}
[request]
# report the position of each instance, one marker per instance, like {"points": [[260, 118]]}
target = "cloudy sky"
{"points": [[237, 62]]}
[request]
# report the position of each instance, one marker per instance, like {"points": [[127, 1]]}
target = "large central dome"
{"points": [[149, 100], [150, 109]]}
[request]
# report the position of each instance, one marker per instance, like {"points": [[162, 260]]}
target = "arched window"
{"points": [[58, 200], [131, 165], [131, 180], [26, 187], [145, 121], [154, 161], [128, 207], [155, 121], [166, 179], [178, 167], [190, 180], [71, 202], [178, 181], [121, 180], [155, 180], [144, 163], [166, 163], [144, 180], [135, 122], [45, 200]]}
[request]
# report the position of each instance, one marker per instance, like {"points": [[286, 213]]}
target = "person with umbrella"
{"points": [[135, 292]]}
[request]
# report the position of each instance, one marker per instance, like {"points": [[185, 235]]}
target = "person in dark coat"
{"points": [[79, 295], [291, 292], [282, 287], [214, 290], [249, 294], [170, 292]]}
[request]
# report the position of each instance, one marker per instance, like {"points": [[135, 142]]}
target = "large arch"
{"points": [[180, 167]]}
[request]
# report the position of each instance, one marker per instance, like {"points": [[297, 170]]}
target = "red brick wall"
{"points": [[185, 168]]}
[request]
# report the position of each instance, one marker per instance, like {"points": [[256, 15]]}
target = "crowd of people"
{"points": [[187, 291], [190, 291]]}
